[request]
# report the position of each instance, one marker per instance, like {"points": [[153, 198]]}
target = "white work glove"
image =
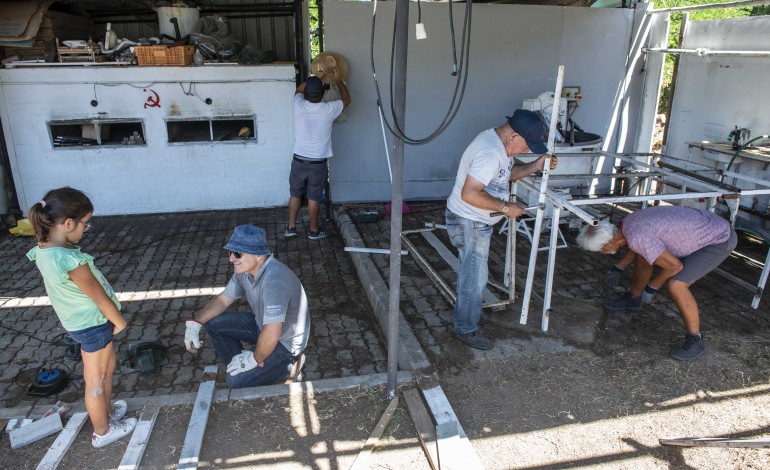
{"points": [[648, 296], [192, 336], [243, 362]]}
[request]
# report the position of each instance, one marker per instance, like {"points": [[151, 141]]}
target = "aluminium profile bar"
{"points": [[705, 179], [444, 288], [423, 263], [749, 179], [747, 3], [715, 185], [549, 270], [704, 52], [645, 197], [541, 200], [563, 203]]}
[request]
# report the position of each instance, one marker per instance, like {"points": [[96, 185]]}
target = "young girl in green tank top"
{"points": [[84, 302]]}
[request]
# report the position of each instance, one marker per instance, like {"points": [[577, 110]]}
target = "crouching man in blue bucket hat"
{"points": [[278, 325]]}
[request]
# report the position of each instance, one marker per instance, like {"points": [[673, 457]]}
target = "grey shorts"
{"points": [[705, 260], [307, 177]]}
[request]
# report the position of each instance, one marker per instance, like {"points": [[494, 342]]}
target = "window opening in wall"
{"points": [[87, 133], [189, 131], [233, 129], [217, 129]]}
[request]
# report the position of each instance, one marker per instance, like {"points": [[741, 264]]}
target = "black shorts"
{"points": [[308, 177]]}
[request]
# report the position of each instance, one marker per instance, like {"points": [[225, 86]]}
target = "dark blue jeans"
{"points": [[227, 331]]}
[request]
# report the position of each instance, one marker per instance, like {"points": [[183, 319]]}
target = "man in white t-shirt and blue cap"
{"points": [[277, 327], [479, 200]]}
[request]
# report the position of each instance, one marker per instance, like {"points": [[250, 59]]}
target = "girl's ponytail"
{"points": [[57, 206]]}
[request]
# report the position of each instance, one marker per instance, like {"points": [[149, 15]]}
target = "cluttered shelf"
{"points": [[194, 40]]}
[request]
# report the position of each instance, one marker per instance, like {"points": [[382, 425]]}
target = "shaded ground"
{"points": [[594, 391], [165, 267]]}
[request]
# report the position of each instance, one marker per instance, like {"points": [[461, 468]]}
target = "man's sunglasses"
{"points": [[235, 253]]}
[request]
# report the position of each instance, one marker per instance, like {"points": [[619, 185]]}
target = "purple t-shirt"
{"points": [[680, 230]]}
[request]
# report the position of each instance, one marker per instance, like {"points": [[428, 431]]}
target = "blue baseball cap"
{"points": [[314, 85], [248, 239], [530, 126]]}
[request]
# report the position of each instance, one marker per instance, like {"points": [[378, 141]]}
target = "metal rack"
{"points": [[689, 181]]}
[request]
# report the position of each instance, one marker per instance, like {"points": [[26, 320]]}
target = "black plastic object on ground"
{"points": [[48, 382]]}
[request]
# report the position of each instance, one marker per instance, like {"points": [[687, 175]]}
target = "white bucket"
{"points": [[185, 16]]}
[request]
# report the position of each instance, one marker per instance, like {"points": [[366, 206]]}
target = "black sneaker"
{"points": [[626, 303], [317, 235], [694, 346], [475, 339], [483, 319], [290, 232]]}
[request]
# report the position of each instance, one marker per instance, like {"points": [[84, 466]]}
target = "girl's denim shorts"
{"points": [[94, 338]]}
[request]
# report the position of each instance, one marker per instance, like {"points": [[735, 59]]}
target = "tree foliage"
{"points": [[698, 15]]}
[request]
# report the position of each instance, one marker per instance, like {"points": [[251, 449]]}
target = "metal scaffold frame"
{"points": [[693, 181], [689, 180]]}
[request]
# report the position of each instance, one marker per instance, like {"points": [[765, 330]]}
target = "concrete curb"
{"points": [[410, 354], [252, 393]]}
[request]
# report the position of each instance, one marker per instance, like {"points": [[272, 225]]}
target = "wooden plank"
{"points": [[426, 430], [62, 443], [716, 442], [35, 431], [362, 460], [197, 426], [139, 438], [451, 260], [454, 449], [16, 423]]}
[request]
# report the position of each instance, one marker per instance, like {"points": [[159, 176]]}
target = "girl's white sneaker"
{"points": [[117, 430]]}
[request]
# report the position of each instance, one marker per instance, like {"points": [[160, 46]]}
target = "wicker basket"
{"points": [[164, 55]]}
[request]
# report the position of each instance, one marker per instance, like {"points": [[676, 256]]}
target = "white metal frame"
{"points": [[687, 180]]}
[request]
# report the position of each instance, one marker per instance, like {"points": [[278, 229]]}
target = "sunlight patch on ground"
{"points": [[128, 296], [619, 441]]}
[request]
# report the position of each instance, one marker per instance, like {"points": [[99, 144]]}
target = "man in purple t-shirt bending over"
{"points": [[686, 244]]}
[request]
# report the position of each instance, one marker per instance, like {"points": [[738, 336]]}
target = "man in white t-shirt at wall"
{"points": [[479, 200], [312, 148]]}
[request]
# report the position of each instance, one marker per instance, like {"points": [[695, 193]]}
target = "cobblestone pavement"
{"points": [[577, 320], [167, 265]]}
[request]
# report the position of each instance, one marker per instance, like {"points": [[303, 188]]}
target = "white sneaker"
{"points": [[119, 409], [117, 430]]}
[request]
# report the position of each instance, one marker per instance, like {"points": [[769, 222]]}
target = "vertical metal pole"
{"points": [[510, 250], [397, 193], [647, 184], [320, 5], [299, 34], [541, 198], [674, 75], [549, 272], [762, 282]]}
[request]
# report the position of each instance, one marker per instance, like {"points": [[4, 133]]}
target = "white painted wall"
{"points": [[515, 53], [158, 177], [714, 94]]}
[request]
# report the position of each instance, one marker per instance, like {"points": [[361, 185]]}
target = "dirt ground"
{"points": [[320, 431]]}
